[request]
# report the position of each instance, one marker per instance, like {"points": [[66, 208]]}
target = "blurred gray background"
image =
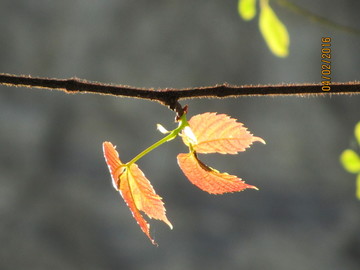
{"points": [[58, 209]]}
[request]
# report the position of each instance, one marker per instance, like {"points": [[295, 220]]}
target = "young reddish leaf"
{"points": [[114, 163], [209, 179], [218, 133], [138, 194], [144, 194], [136, 190]]}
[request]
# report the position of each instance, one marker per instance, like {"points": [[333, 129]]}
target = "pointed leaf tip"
{"points": [[258, 139], [207, 178]]}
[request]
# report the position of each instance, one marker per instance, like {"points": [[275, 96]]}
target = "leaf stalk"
{"points": [[172, 135]]}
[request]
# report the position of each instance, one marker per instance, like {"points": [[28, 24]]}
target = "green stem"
{"points": [[316, 18], [172, 135]]}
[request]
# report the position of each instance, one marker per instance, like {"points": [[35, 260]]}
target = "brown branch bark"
{"points": [[170, 96]]}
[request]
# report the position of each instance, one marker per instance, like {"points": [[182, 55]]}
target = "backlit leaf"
{"points": [[273, 30], [350, 160], [357, 132], [115, 166], [207, 178], [218, 133], [144, 194], [135, 189], [247, 9]]}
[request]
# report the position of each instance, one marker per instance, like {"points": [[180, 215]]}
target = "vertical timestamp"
{"points": [[326, 63]]}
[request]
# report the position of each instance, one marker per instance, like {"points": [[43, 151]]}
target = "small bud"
{"points": [[161, 129], [190, 135]]}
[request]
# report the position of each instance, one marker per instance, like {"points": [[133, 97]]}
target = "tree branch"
{"points": [[170, 96]]}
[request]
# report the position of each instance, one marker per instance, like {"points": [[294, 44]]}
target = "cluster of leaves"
{"points": [[272, 29], [202, 134], [351, 160]]}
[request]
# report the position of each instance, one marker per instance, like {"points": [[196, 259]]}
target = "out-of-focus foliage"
{"points": [[247, 9], [351, 160], [272, 29]]}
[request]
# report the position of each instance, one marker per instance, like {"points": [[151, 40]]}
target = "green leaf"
{"points": [[350, 160], [357, 132], [247, 9], [273, 30], [358, 186]]}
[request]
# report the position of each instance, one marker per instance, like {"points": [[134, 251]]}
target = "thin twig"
{"points": [[171, 96]]}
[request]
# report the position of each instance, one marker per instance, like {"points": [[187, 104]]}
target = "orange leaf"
{"points": [[209, 179], [136, 190], [218, 133], [114, 163]]}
